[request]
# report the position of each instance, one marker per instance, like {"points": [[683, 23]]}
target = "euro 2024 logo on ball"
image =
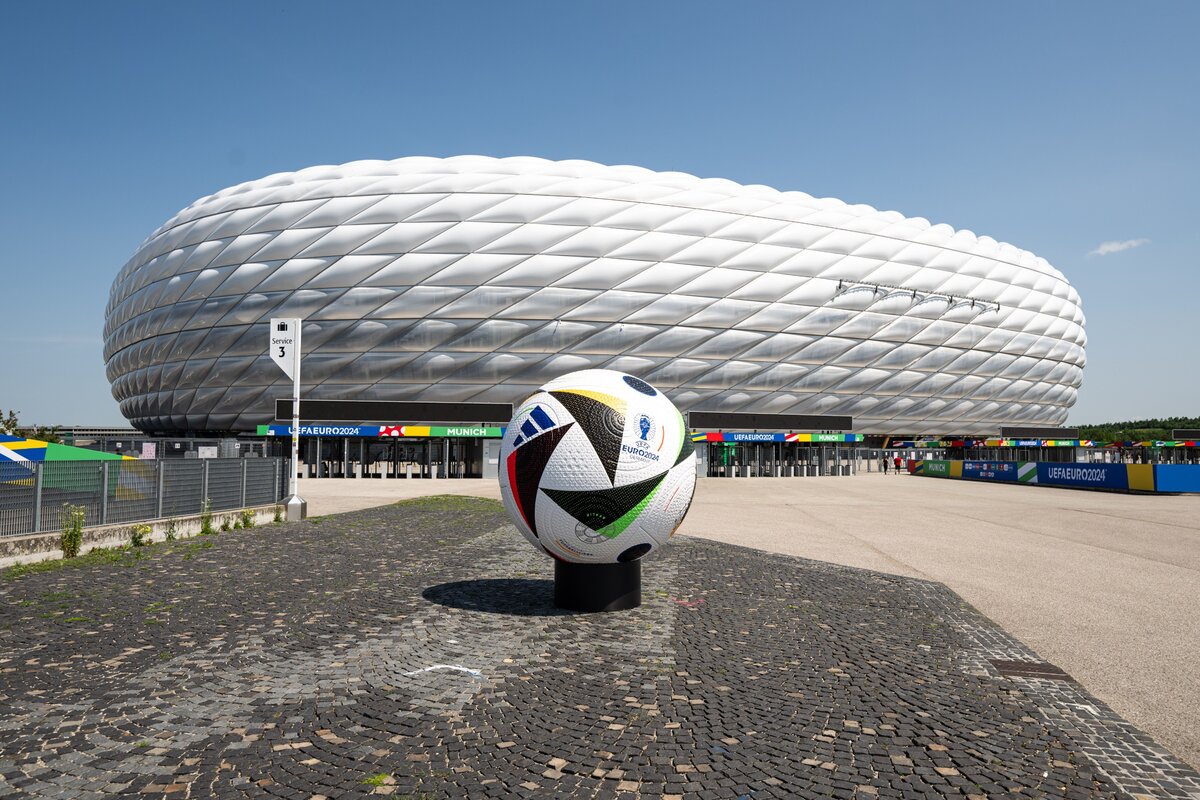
{"points": [[648, 442]]}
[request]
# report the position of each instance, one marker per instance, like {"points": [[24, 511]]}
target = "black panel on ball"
{"points": [[597, 587]]}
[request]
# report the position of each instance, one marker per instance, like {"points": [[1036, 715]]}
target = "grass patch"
{"points": [[452, 502], [120, 556]]}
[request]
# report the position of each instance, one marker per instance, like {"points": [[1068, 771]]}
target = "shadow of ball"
{"points": [[514, 596]]}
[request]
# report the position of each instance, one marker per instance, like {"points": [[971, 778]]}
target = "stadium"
{"points": [[475, 279]]}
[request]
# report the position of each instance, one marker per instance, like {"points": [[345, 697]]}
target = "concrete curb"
{"points": [[45, 546]]}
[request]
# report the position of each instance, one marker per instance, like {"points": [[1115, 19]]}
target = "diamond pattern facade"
{"points": [[474, 278]]}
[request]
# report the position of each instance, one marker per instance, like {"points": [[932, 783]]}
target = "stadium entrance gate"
{"points": [[777, 459], [438, 440], [737, 445]]}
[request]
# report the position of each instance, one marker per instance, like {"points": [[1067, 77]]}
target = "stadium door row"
{"points": [[389, 458], [777, 459]]}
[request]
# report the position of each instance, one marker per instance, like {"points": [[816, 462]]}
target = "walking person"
{"points": [[885, 464]]}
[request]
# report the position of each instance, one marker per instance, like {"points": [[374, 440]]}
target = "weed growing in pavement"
{"points": [[224, 524], [206, 528], [278, 514], [172, 527], [247, 518], [121, 556], [379, 779], [73, 518], [193, 547], [139, 535]]}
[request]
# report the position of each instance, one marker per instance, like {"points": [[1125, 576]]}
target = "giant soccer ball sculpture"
{"points": [[597, 470]]}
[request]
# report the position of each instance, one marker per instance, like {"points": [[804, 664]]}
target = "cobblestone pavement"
{"points": [[413, 650]]}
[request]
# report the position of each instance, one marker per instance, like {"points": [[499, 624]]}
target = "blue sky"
{"points": [[1054, 126]]}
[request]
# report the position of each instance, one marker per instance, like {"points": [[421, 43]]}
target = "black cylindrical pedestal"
{"points": [[597, 587]]}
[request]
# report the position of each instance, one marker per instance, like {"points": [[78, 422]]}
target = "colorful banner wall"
{"points": [[808, 438], [1091, 476], [990, 470], [937, 469], [1112, 477], [1176, 477], [18, 448], [411, 431]]}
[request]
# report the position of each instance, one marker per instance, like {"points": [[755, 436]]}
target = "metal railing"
{"points": [[32, 493]]}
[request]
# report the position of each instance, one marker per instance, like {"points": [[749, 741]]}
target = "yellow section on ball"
{"points": [[615, 403]]}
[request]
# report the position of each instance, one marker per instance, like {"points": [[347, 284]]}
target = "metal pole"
{"points": [[158, 465], [104, 493], [297, 509], [203, 483], [37, 496], [244, 463]]}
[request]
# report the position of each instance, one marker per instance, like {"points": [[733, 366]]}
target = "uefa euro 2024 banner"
{"points": [[1098, 476]]}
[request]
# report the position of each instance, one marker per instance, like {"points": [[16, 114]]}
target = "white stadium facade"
{"points": [[475, 279]]}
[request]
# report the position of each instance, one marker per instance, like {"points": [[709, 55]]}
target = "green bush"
{"points": [[73, 518], [206, 527], [247, 518], [139, 535]]}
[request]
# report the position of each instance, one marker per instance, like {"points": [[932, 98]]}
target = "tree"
{"points": [[11, 426], [1137, 430], [45, 434]]}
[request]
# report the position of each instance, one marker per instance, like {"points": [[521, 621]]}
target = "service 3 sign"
{"points": [[284, 347]]}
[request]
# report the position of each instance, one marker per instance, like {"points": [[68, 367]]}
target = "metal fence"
{"points": [[32, 494]]}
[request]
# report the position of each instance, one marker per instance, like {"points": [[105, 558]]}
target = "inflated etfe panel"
{"points": [[480, 279]]}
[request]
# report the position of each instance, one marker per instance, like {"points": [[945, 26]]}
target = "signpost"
{"points": [[284, 350]]}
